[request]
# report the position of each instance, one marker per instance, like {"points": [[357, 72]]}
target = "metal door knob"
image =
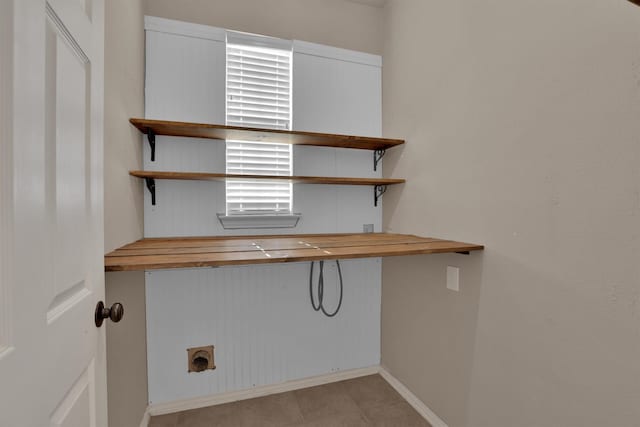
{"points": [[115, 313]]}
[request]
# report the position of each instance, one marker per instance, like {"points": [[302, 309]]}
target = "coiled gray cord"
{"points": [[320, 306]]}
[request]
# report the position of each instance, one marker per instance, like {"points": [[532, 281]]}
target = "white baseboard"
{"points": [[218, 399], [145, 419], [412, 399], [201, 402]]}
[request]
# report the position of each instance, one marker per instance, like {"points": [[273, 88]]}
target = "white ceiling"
{"points": [[374, 3]]}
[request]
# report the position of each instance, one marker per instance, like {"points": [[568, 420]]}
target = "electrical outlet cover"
{"points": [[453, 278]]}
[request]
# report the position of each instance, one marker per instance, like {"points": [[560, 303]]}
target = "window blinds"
{"points": [[258, 95]]}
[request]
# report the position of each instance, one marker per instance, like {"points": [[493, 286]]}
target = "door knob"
{"points": [[114, 313]]}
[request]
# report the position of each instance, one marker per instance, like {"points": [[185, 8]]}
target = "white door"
{"points": [[52, 356]]}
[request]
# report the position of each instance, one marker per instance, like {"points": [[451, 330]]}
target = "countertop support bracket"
{"points": [[463, 253], [151, 136], [378, 191], [151, 186], [377, 156]]}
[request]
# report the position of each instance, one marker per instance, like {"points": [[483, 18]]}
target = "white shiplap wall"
{"points": [[258, 317], [261, 323]]}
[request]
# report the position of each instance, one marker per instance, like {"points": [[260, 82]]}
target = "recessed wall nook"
{"points": [[247, 291]]}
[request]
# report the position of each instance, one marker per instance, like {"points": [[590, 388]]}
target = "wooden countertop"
{"points": [[190, 252]]}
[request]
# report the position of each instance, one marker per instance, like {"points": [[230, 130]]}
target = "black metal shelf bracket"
{"points": [[463, 253], [151, 136], [151, 186], [378, 191], [377, 156]]}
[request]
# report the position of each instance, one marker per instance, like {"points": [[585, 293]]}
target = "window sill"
{"points": [[234, 222]]}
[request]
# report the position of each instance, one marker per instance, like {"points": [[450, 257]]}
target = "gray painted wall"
{"points": [[521, 120]]}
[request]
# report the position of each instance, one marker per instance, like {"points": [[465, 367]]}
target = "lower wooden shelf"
{"points": [[190, 252], [206, 176], [379, 184]]}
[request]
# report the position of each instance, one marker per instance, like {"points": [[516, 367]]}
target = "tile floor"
{"points": [[365, 401]]}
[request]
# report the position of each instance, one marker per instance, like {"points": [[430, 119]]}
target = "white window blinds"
{"points": [[258, 95]]}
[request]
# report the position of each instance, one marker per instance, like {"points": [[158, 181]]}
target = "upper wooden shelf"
{"points": [[200, 130], [189, 252]]}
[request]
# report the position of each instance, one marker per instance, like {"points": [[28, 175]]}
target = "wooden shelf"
{"points": [[205, 176], [379, 184], [190, 252], [222, 132]]}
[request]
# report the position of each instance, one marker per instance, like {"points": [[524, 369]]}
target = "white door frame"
{"points": [[6, 175]]}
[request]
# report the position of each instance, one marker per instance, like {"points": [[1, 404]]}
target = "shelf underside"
{"points": [[190, 252], [222, 132], [202, 176]]}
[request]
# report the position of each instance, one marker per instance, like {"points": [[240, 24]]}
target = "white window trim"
{"points": [[248, 39], [235, 222]]}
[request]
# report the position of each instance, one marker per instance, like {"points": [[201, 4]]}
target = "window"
{"points": [[258, 95]]}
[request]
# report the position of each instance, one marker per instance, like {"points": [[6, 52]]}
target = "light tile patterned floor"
{"points": [[365, 401]]}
